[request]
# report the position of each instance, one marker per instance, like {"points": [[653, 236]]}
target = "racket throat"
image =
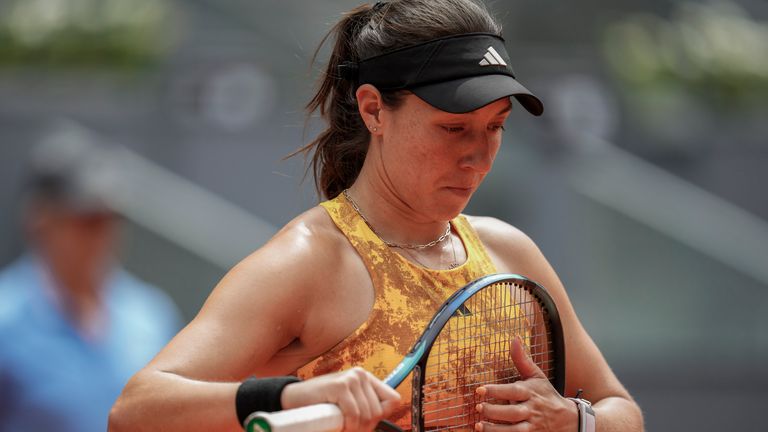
{"points": [[462, 311]]}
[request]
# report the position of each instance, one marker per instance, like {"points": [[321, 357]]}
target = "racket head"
{"points": [[468, 343]]}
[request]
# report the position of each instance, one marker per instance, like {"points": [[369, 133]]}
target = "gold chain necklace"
{"points": [[451, 266], [398, 245]]}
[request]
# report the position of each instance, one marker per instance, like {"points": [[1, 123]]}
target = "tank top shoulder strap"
{"points": [[476, 253], [370, 248]]}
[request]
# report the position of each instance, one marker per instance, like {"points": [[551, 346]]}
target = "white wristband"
{"points": [[586, 415]]}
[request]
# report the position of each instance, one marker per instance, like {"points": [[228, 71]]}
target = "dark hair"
{"points": [[366, 31]]}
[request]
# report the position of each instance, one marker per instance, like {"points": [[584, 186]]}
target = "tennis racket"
{"points": [[467, 343]]}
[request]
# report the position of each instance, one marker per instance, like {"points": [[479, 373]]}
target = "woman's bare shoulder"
{"points": [[513, 251], [311, 241], [502, 238], [263, 304]]}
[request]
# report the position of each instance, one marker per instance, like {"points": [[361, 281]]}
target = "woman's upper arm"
{"points": [[256, 309], [514, 252]]}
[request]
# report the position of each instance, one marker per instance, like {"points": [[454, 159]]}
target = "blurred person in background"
{"points": [[74, 326]]}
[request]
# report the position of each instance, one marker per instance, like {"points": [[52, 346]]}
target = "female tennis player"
{"points": [[416, 93]]}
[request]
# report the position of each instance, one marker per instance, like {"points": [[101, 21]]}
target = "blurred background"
{"points": [[644, 183]]}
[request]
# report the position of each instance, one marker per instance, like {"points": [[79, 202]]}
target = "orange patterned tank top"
{"points": [[407, 295]]}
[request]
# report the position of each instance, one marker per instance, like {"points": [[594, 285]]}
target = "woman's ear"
{"points": [[369, 104]]}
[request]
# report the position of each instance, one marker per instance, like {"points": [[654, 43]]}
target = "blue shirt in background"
{"points": [[51, 379]]}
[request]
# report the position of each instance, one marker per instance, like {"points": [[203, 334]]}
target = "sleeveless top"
{"points": [[406, 297]]}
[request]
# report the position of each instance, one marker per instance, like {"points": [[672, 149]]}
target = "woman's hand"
{"points": [[362, 398], [534, 405]]}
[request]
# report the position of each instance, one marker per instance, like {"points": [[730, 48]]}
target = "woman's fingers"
{"points": [[383, 391], [389, 397], [356, 398], [506, 413], [513, 392], [351, 411], [524, 364], [533, 403], [368, 400], [490, 427], [374, 403]]}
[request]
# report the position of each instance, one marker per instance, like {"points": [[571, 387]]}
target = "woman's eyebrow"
{"points": [[506, 110]]}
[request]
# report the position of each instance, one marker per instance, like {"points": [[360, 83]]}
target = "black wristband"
{"points": [[260, 394]]}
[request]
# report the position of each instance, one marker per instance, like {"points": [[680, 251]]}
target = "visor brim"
{"points": [[468, 94]]}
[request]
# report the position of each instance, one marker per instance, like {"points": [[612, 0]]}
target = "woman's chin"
{"points": [[452, 206]]}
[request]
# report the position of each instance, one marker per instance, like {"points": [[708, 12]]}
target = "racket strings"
{"points": [[547, 371], [436, 368], [499, 336], [475, 347], [501, 324]]}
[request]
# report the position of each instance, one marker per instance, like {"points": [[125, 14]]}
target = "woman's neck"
{"points": [[390, 216], [430, 244]]}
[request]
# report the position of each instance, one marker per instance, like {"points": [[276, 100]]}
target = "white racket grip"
{"points": [[314, 418]]}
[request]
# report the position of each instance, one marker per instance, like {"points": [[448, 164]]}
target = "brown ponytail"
{"points": [[365, 31]]}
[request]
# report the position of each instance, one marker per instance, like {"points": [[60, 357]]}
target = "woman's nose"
{"points": [[481, 154]]}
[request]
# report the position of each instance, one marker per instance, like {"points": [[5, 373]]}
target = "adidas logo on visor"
{"points": [[492, 58]]}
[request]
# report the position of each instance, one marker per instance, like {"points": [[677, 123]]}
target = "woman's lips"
{"points": [[461, 191]]}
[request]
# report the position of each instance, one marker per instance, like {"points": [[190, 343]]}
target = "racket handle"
{"points": [[314, 418]]}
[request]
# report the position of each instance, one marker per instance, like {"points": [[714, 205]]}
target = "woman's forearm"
{"points": [[155, 400], [617, 414]]}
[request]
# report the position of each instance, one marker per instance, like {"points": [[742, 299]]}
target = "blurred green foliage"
{"points": [[714, 51], [92, 33]]}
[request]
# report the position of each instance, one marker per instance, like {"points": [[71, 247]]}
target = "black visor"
{"points": [[456, 74]]}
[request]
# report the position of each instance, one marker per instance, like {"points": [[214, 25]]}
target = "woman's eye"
{"points": [[459, 129], [453, 129]]}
